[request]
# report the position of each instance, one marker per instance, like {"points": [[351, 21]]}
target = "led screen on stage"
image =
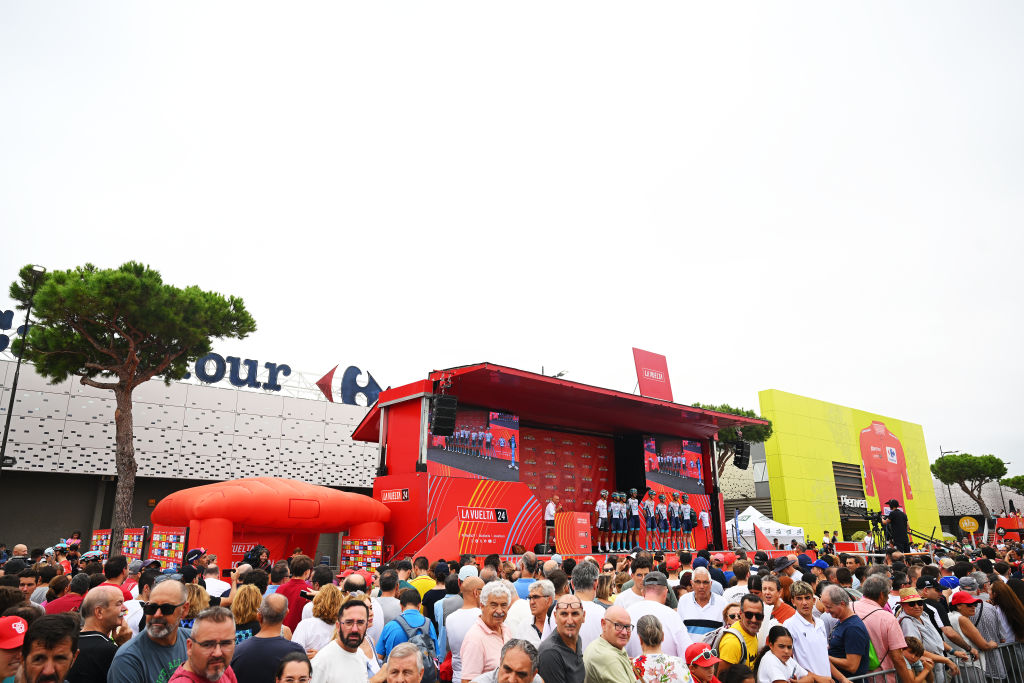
{"points": [[484, 445], [675, 463]]}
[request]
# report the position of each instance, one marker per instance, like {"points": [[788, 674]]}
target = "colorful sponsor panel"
{"points": [[131, 545], [167, 544], [361, 552], [101, 541], [812, 440], [572, 533]]}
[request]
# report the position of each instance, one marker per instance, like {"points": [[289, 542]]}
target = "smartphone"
{"points": [[226, 573]]}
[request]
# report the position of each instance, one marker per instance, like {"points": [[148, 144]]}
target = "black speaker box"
{"points": [[442, 420]]}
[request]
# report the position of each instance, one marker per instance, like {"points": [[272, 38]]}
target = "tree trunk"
{"points": [[976, 497], [126, 468]]}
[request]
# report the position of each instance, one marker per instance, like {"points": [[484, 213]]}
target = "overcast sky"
{"points": [[822, 198]]}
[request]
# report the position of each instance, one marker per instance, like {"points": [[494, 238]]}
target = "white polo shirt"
{"points": [[810, 644], [676, 637], [700, 620]]}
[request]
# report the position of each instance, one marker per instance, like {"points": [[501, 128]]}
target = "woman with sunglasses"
{"points": [[654, 666], [731, 614]]}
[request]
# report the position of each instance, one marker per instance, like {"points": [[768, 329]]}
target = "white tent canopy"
{"points": [[744, 535]]}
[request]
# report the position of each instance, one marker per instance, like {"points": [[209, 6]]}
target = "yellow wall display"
{"points": [[809, 435]]}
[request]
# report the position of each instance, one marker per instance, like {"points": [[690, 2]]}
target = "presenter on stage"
{"points": [[899, 526], [549, 519]]}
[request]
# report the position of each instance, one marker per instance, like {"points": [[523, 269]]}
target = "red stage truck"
{"points": [[1010, 528], [487, 483]]}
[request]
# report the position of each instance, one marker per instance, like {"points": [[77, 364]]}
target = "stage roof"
{"points": [[548, 401]]}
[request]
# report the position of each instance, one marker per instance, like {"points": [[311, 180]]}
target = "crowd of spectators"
{"points": [[646, 616]]}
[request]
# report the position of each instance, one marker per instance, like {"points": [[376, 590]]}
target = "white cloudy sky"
{"points": [[823, 198]]}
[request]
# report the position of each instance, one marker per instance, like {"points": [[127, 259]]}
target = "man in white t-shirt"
{"points": [[214, 585], [655, 591], [458, 623], [741, 570], [341, 660], [810, 642], [701, 610], [640, 568], [549, 519]]}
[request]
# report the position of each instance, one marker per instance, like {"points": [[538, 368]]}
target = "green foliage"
{"points": [[970, 473], [751, 433], [858, 536], [124, 324], [1015, 483]]}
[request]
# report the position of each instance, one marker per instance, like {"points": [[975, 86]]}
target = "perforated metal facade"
{"points": [[188, 431]]}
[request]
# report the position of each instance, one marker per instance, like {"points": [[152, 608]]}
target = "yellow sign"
{"points": [[810, 437], [968, 524]]}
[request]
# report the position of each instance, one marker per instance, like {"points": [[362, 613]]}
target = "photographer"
{"points": [[898, 526]]}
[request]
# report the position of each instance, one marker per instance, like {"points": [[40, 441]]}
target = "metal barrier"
{"points": [[1005, 663]]}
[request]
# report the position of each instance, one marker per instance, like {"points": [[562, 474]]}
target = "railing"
{"points": [[1005, 663], [398, 553]]}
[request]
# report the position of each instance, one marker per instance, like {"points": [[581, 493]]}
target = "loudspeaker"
{"points": [[742, 457], [442, 420]]}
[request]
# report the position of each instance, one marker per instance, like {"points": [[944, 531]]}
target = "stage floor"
{"points": [[495, 469]]}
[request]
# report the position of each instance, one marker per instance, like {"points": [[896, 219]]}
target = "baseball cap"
{"points": [[12, 632], [946, 563], [700, 562], [893, 503], [703, 652], [820, 564], [718, 557], [949, 582], [656, 579], [968, 583], [962, 598], [194, 555], [466, 571], [441, 570], [672, 563], [135, 566], [556, 558], [150, 562], [928, 582]]}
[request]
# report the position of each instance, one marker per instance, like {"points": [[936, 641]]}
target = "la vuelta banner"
{"points": [[480, 516], [652, 374]]}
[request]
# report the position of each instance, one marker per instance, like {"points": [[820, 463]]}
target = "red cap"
{"points": [[671, 562], [963, 598], [367, 576], [697, 651], [12, 632]]}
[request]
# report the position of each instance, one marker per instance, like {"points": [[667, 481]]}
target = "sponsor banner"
{"points": [[131, 546], [394, 496], [361, 553], [572, 533], [167, 544], [486, 516], [652, 374], [101, 541]]}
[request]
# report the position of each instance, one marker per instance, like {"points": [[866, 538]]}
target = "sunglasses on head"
{"points": [[166, 608], [707, 654], [755, 616]]}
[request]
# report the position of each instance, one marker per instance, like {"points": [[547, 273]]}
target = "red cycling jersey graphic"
{"points": [[885, 467]]}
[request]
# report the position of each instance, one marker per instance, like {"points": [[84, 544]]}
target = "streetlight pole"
{"points": [[37, 272]]}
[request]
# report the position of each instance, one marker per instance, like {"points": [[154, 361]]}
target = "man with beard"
{"points": [[50, 648], [341, 661], [153, 655], [210, 647], [560, 655]]}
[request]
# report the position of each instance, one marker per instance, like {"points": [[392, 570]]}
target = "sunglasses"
{"points": [[734, 616], [754, 616], [166, 608], [707, 654]]}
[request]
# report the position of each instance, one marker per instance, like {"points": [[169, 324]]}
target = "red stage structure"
{"points": [[519, 438]]}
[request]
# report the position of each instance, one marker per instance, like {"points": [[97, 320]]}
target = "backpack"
{"points": [[420, 637], [874, 661], [721, 632]]}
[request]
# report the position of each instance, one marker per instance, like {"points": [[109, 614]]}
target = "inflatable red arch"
{"points": [[281, 514]]}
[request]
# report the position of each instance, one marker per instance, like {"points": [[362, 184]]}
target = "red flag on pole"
{"points": [[761, 540]]}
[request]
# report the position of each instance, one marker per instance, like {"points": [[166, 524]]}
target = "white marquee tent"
{"points": [[743, 534]]}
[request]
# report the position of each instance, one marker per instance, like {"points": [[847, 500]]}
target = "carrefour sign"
{"points": [[213, 368]]}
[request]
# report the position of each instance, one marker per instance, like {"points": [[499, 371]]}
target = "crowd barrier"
{"points": [[1005, 663]]}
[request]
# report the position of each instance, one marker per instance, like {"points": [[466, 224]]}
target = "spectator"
{"points": [[528, 568], [256, 659], [301, 567], [394, 633], [72, 600], [435, 593], [28, 581], [101, 610], [776, 663], [605, 659], [321, 576], [701, 659], [741, 571], [404, 571], [776, 610], [422, 581], [700, 610], [674, 635], [198, 600], [739, 642], [46, 574], [560, 655], [49, 648], [314, 632], [405, 664], [388, 597], [848, 643], [211, 645], [913, 625], [883, 629], [12, 636], [517, 661], [160, 650], [653, 665], [58, 588], [810, 641], [116, 572], [340, 661], [542, 595], [605, 592], [293, 668], [983, 633], [640, 567], [482, 647], [459, 622], [244, 608], [214, 584]]}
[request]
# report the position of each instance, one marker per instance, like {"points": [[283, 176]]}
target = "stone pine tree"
{"points": [[115, 329], [727, 437], [970, 473]]}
